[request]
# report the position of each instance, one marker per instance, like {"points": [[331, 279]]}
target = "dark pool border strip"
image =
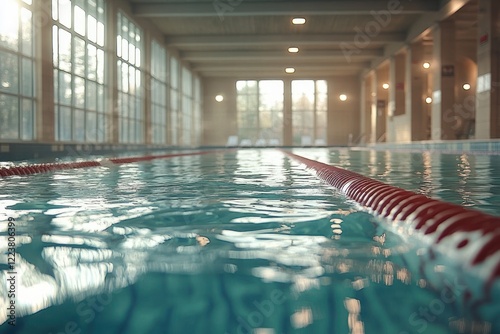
{"points": [[31, 169], [428, 217]]}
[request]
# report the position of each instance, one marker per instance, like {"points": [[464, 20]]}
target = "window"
{"points": [[130, 97], [309, 111], [187, 106], [17, 68], [260, 110], [79, 76], [174, 101], [158, 94]]}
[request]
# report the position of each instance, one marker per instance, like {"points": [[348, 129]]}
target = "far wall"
{"points": [[220, 118]]}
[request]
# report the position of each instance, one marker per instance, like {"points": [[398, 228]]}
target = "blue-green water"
{"points": [[242, 242]]}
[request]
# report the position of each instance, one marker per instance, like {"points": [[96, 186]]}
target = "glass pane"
{"points": [[64, 50], [322, 102], [91, 127], [9, 24], [27, 77], [65, 89], [92, 28], [100, 34], [55, 46], [101, 128], [65, 123], [56, 86], [9, 117], [100, 66], [55, 10], [91, 62], [100, 99], [78, 125], [91, 99], [65, 12], [79, 19], [28, 120], [27, 32], [9, 73], [79, 98], [79, 56], [321, 87]]}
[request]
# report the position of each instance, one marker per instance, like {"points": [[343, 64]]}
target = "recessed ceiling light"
{"points": [[219, 98], [466, 86], [298, 20], [385, 86], [428, 100], [293, 50], [343, 97], [290, 70], [426, 65]]}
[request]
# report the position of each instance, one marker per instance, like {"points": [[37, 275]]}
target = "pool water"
{"points": [[246, 241]]}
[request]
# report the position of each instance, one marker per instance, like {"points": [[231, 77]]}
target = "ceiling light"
{"points": [[298, 20], [343, 97], [426, 65], [466, 86], [428, 100], [293, 50], [219, 98], [385, 86], [289, 70]]}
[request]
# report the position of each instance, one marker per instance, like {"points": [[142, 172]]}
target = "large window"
{"points": [[174, 101], [260, 111], [130, 97], [309, 112], [158, 94], [78, 56], [187, 106], [17, 68]]}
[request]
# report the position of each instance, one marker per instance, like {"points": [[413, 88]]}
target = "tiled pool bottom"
{"points": [[243, 242]]}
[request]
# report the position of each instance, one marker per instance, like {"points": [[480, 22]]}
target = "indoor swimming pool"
{"points": [[239, 241]]}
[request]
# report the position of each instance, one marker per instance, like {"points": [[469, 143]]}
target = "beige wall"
{"points": [[219, 118], [343, 117]]}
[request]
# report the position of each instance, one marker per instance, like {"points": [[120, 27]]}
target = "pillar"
{"points": [[382, 103], [443, 66], [46, 123], [415, 94], [488, 66], [287, 114]]}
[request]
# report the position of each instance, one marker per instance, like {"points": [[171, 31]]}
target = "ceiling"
{"points": [[250, 38]]}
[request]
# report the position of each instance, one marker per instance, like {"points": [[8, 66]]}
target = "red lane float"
{"points": [[449, 225], [49, 167]]}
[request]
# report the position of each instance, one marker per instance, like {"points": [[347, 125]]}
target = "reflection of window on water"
{"points": [[309, 111], [260, 110], [17, 95]]}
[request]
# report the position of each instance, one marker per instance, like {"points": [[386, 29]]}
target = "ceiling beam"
{"points": [[222, 8], [239, 67], [233, 41], [325, 55], [279, 74]]}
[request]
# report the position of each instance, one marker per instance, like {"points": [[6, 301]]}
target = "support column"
{"points": [[382, 103], [415, 92], [373, 108], [46, 122], [443, 99], [287, 114], [488, 63], [146, 101]]}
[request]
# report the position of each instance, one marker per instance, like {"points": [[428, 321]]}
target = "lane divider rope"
{"points": [[49, 167], [470, 235]]}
